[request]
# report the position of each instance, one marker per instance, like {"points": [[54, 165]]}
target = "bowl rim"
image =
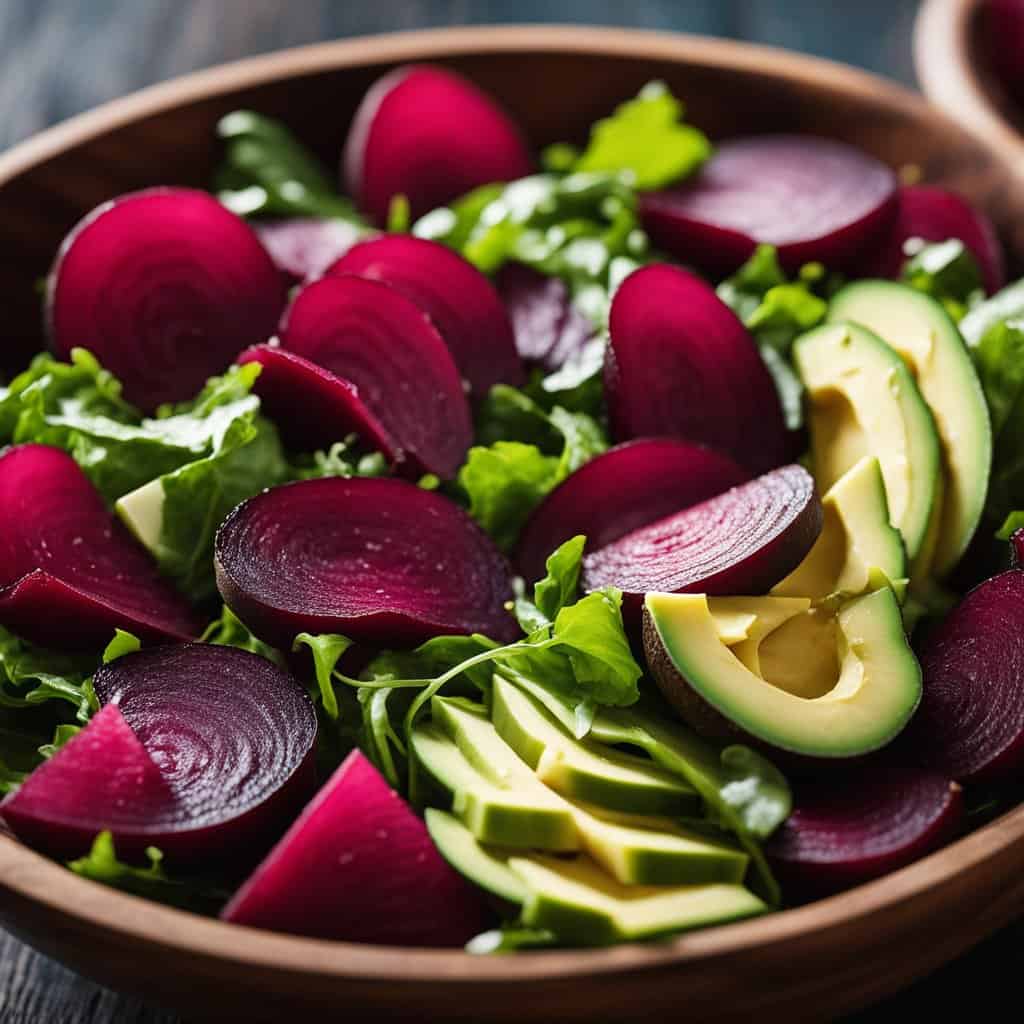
{"points": [[36, 881]]}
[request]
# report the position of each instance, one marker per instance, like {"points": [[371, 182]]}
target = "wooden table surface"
{"points": [[59, 57]]}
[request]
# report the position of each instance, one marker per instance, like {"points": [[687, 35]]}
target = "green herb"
{"points": [[947, 271], [122, 644], [1011, 524], [31, 676], [61, 735], [229, 631], [341, 459], [399, 215], [1007, 304]]}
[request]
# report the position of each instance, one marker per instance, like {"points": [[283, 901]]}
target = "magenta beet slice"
{"points": [[549, 329], [70, 574], [430, 135], [359, 866], [970, 724], [165, 288], [680, 364], [627, 487], [935, 215], [1017, 549], [381, 561], [311, 406], [371, 335], [100, 779], [810, 197], [302, 248], [232, 735], [851, 826], [460, 301], [741, 542]]}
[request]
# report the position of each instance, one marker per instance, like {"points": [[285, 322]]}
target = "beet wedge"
{"points": [[70, 574], [103, 778], [810, 197], [165, 288], [371, 335], [302, 248], [381, 561], [742, 542], [461, 303], [627, 487], [233, 737], [430, 135], [359, 866], [681, 364]]}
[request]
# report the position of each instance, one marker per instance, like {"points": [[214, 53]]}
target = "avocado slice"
{"points": [[863, 400], [924, 335], [142, 511], [761, 616], [877, 688], [856, 537], [581, 904], [581, 769]]}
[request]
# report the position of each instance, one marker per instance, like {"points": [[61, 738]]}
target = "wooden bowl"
{"points": [[810, 963], [955, 72]]}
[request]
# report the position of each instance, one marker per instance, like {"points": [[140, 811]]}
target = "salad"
{"points": [[514, 551]]}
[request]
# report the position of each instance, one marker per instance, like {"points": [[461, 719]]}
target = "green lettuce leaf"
{"points": [[947, 271], [122, 644], [31, 676], [1006, 304], [557, 589], [228, 630]]}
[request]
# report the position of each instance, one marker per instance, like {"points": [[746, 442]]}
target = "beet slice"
{"points": [[627, 487], [382, 561], [359, 866], [1017, 549], [368, 333], [311, 406], [100, 779], [302, 248], [935, 215], [681, 364], [430, 135], [165, 287], [970, 724], [741, 542], [233, 737], [862, 822], [460, 301], [70, 574], [549, 329], [810, 197]]}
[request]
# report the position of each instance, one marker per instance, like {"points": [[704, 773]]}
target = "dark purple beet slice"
{"points": [[302, 248], [100, 779], [359, 866], [936, 214], [812, 198], [1017, 549], [382, 561], [165, 288], [70, 574], [371, 335], [627, 487], [311, 406], [460, 301], [1004, 29], [548, 327], [681, 364], [970, 724], [233, 737], [430, 135], [741, 542], [859, 823]]}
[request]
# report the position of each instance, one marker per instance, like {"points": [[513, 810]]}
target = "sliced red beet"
{"points": [[970, 724], [1004, 29], [359, 866], [232, 735], [627, 487], [548, 327], [70, 574], [460, 301], [681, 364], [302, 248], [381, 561], [311, 406], [812, 198], [165, 288], [742, 542], [100, 779], [862, 823], [368, 333], [430, 135], [1017, 549], [935, 214]]}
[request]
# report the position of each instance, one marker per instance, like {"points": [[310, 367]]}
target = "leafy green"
{"points": [[1007, 304], [509, 939], [326, 649], [557, 589], [399, 215], [341, 459], [61, 735], [122, 644], [1011, 524], [947, 271], [229, 631], [30, 676]]}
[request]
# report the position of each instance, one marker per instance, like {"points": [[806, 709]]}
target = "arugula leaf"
{"points": [[122, 644], [1011, 524], [341, 459], [327, 649], [229, 631], [30, 676], [561, 583], [947, 271]]}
